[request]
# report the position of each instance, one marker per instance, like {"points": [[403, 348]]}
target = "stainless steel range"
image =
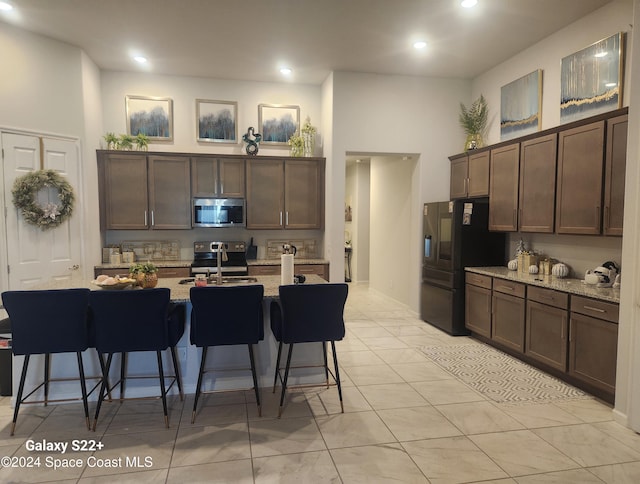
{"points": [[205, 258]]}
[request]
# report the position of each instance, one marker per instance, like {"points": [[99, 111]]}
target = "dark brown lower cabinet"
{"points": [[547, 331], [507, 327], [478, 309], [593, 347]]}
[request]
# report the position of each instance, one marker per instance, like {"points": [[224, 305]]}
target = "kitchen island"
{"points": [[222, 357]]}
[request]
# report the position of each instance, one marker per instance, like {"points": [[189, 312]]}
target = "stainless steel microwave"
{"points": [[219, 212]]}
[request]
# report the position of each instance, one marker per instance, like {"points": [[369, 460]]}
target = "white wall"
{"points": [[390, 221], [395, 114], [547, 55], [185, 90], [49, 87]]}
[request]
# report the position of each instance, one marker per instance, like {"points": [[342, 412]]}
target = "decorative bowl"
{"points": [[120, 284]]}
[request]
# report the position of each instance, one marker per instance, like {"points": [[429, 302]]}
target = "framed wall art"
{"points": [[521, 106], [278, 122], [152, 116], [217, 121], [591, 79]]}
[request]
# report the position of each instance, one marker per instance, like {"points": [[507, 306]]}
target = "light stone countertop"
{"points": [[187, 263], [276, 262], [572, 286], [180, 292]]}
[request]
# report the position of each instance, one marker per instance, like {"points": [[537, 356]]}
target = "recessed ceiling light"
{"points": [[140, 59], [420, 44], [285, 71], [5, 6], [468, 3]]}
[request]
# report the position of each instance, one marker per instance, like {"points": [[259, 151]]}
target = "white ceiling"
{"points": [[251, 39]]}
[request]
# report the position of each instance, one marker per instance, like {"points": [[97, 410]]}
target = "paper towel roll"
{"points": [[286, 269]]}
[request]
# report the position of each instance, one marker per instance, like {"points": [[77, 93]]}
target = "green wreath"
{"points": [[25, 191]]}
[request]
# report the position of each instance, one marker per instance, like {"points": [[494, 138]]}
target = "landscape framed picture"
{"points": [[216, 121], [591, 79], [521, 106], [278, 122], [152, 116]]}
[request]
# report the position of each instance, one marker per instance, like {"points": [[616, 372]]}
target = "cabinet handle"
{"points": [[153, 222], [591, 308], [145, 217], [280, 218], [507, 288], [287, 218]]}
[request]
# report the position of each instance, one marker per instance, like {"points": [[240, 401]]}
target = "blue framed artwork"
{"points": [[591, 79], [217, 121], [278, 122], [521, 106], [152, 116]]}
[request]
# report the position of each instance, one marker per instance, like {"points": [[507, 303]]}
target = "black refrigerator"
{"points": [[455, 236]]}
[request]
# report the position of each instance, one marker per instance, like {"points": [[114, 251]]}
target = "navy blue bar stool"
{"points": [[308, 313], [132, 321], [45, 323], [226, 316]]}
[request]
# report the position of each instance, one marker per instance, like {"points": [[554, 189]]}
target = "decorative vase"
{"points": [[147, 281], [560, 270], [513, 265], [309, 141], [474, 141]]}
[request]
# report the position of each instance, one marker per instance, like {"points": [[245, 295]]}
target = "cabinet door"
{"points": [[204, 177], [503, 194], [124, 194], [615, 167], [265, 194], [478, 183], [507, 325], [593, 345], [547, 329], [538, 184], [169, 192], [304, 194], [579, 186], [478, 310], [459, 174], [232, 178]]}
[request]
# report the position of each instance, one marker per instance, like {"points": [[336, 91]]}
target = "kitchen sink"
{"points": [[237, 280]]}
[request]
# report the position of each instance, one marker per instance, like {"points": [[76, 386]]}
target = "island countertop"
{"points": [[572, 286], [180, 292]]}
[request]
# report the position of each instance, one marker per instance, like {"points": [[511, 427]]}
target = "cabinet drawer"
{"points": [[509, 287], [174, 272], [264, 270], [548, 296], [478, 280], [595, 308]]}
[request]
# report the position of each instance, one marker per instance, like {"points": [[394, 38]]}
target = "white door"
{"points": [[36, 255]]}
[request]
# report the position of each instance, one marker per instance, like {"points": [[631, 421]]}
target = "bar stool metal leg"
{"points": [[275, 378], [335, 365], [199, 384], [255, 379], [83, 387], [176, 371], [23, 377], [47, 362], [286, 377], [163, 389]]}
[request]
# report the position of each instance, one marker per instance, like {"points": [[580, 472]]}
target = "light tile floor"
{"points": [[406, 420]]}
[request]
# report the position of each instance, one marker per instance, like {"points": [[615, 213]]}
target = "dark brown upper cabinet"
{"points": [[580, 179], [615, 167], [503, 192], [538, 184], [469, 175]]}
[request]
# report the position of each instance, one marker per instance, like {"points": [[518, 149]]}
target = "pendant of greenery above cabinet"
{"points": [[474, 122]]}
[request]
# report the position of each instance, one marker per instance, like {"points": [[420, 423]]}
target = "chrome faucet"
{"points": [[222, 256]]}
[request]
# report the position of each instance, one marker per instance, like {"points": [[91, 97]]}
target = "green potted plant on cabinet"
{"points": [[474, 122], [145, 273], [142, 142]]}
